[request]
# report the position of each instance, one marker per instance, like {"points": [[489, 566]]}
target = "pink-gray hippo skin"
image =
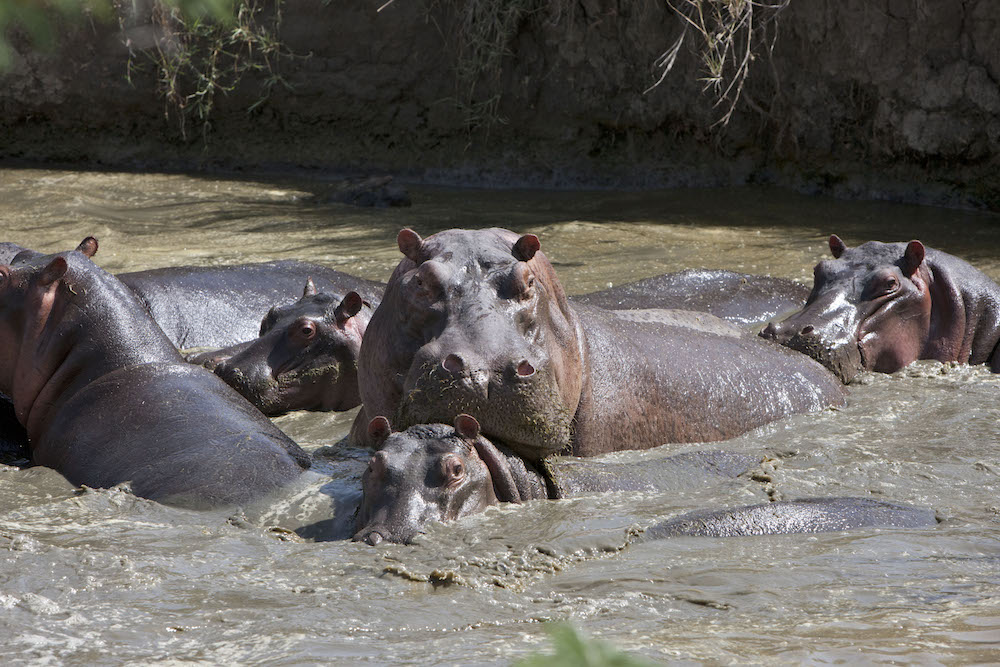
{"points": [[434, 472], [742, 298], [881, 306], [477, 322], [105, 397], [306, 357]]}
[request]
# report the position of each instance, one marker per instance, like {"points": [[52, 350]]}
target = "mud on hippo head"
{"points": [[476, 322], [869, 309], [305, 358], [430, 472]]}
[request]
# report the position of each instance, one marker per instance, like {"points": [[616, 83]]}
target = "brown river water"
{"points": [[101, 577]]}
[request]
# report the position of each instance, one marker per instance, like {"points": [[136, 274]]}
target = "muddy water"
{"points": [[102, 577]]}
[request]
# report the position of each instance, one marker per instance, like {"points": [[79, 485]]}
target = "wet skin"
{"points": [[105, 397], [881, 306], [434, 472], [741, 298], [304, 359], [477, 322]]}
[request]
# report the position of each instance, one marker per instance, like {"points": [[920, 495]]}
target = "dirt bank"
{"points": [[887, 98]]}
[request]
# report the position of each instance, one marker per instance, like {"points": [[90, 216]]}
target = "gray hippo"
{"points": [[881, 306], [477, 322], [105, 397], [305, 357], [742, 298], [434, 472]]}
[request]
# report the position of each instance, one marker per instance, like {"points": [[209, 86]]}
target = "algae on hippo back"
{"points": [[477, 322]]}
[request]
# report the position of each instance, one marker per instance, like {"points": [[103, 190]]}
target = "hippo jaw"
{"points": [[427, 473]]}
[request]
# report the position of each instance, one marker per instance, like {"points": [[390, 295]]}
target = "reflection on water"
{"points": [[100, 576]]}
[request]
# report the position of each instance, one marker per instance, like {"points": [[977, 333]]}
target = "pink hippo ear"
{"points": [[467, 426], [526, 247], [88, 246], [837, 247], [54, 271], [411, 245], [349, 307], [913, 257], [309, 289], [379, 429]]}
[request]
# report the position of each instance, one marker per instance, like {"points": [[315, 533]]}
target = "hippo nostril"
{"points": [[525, 369], [453, 363], [806, 330]]}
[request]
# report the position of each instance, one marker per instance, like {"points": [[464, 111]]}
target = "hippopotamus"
{"points": [[305, 357], [219, 306], [477, 322], [742, 298], [881, 306], [803, 515], [435, 472], [106, 398]]}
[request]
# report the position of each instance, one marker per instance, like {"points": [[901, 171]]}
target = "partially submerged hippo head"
{"points": [[305, 358], [869, 309], [430, 472], [476, 322]]}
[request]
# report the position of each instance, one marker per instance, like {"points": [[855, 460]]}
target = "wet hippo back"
{"points": [[807, 515], [224, 305], [742, 298], [177, 434]]}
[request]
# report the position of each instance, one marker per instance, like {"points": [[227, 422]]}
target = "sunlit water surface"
{"points": [[100, 577]]}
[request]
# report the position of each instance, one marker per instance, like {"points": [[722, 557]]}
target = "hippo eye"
{"points": [[453, 469], [891, 284], [302, 330]]}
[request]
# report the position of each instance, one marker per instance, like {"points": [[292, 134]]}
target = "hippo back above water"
{"points": [[477, 322], [741, 298], [880, 306]]}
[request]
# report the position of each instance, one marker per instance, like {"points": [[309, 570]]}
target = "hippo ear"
{"points": [[310, 288], [913, 257], [88, 246], [379, 429], [411, 245], [837, 247], [504, 486], [349, 307], [526, 247], [467, 426], [54, 271]]}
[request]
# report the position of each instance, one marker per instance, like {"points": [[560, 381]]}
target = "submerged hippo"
{"points": [[477, 322], [105, 397], [742, 298], [434, 472], [881, 306], [305, 357]]}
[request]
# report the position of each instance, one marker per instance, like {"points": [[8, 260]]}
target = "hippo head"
{"points": [[869, 309], [305, 358], [430, 472], [476, 322]]}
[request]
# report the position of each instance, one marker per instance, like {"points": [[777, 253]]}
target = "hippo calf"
{"points": [[477, 322], [881, 306], [105, 398], [434, 472], [305, 357]]}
